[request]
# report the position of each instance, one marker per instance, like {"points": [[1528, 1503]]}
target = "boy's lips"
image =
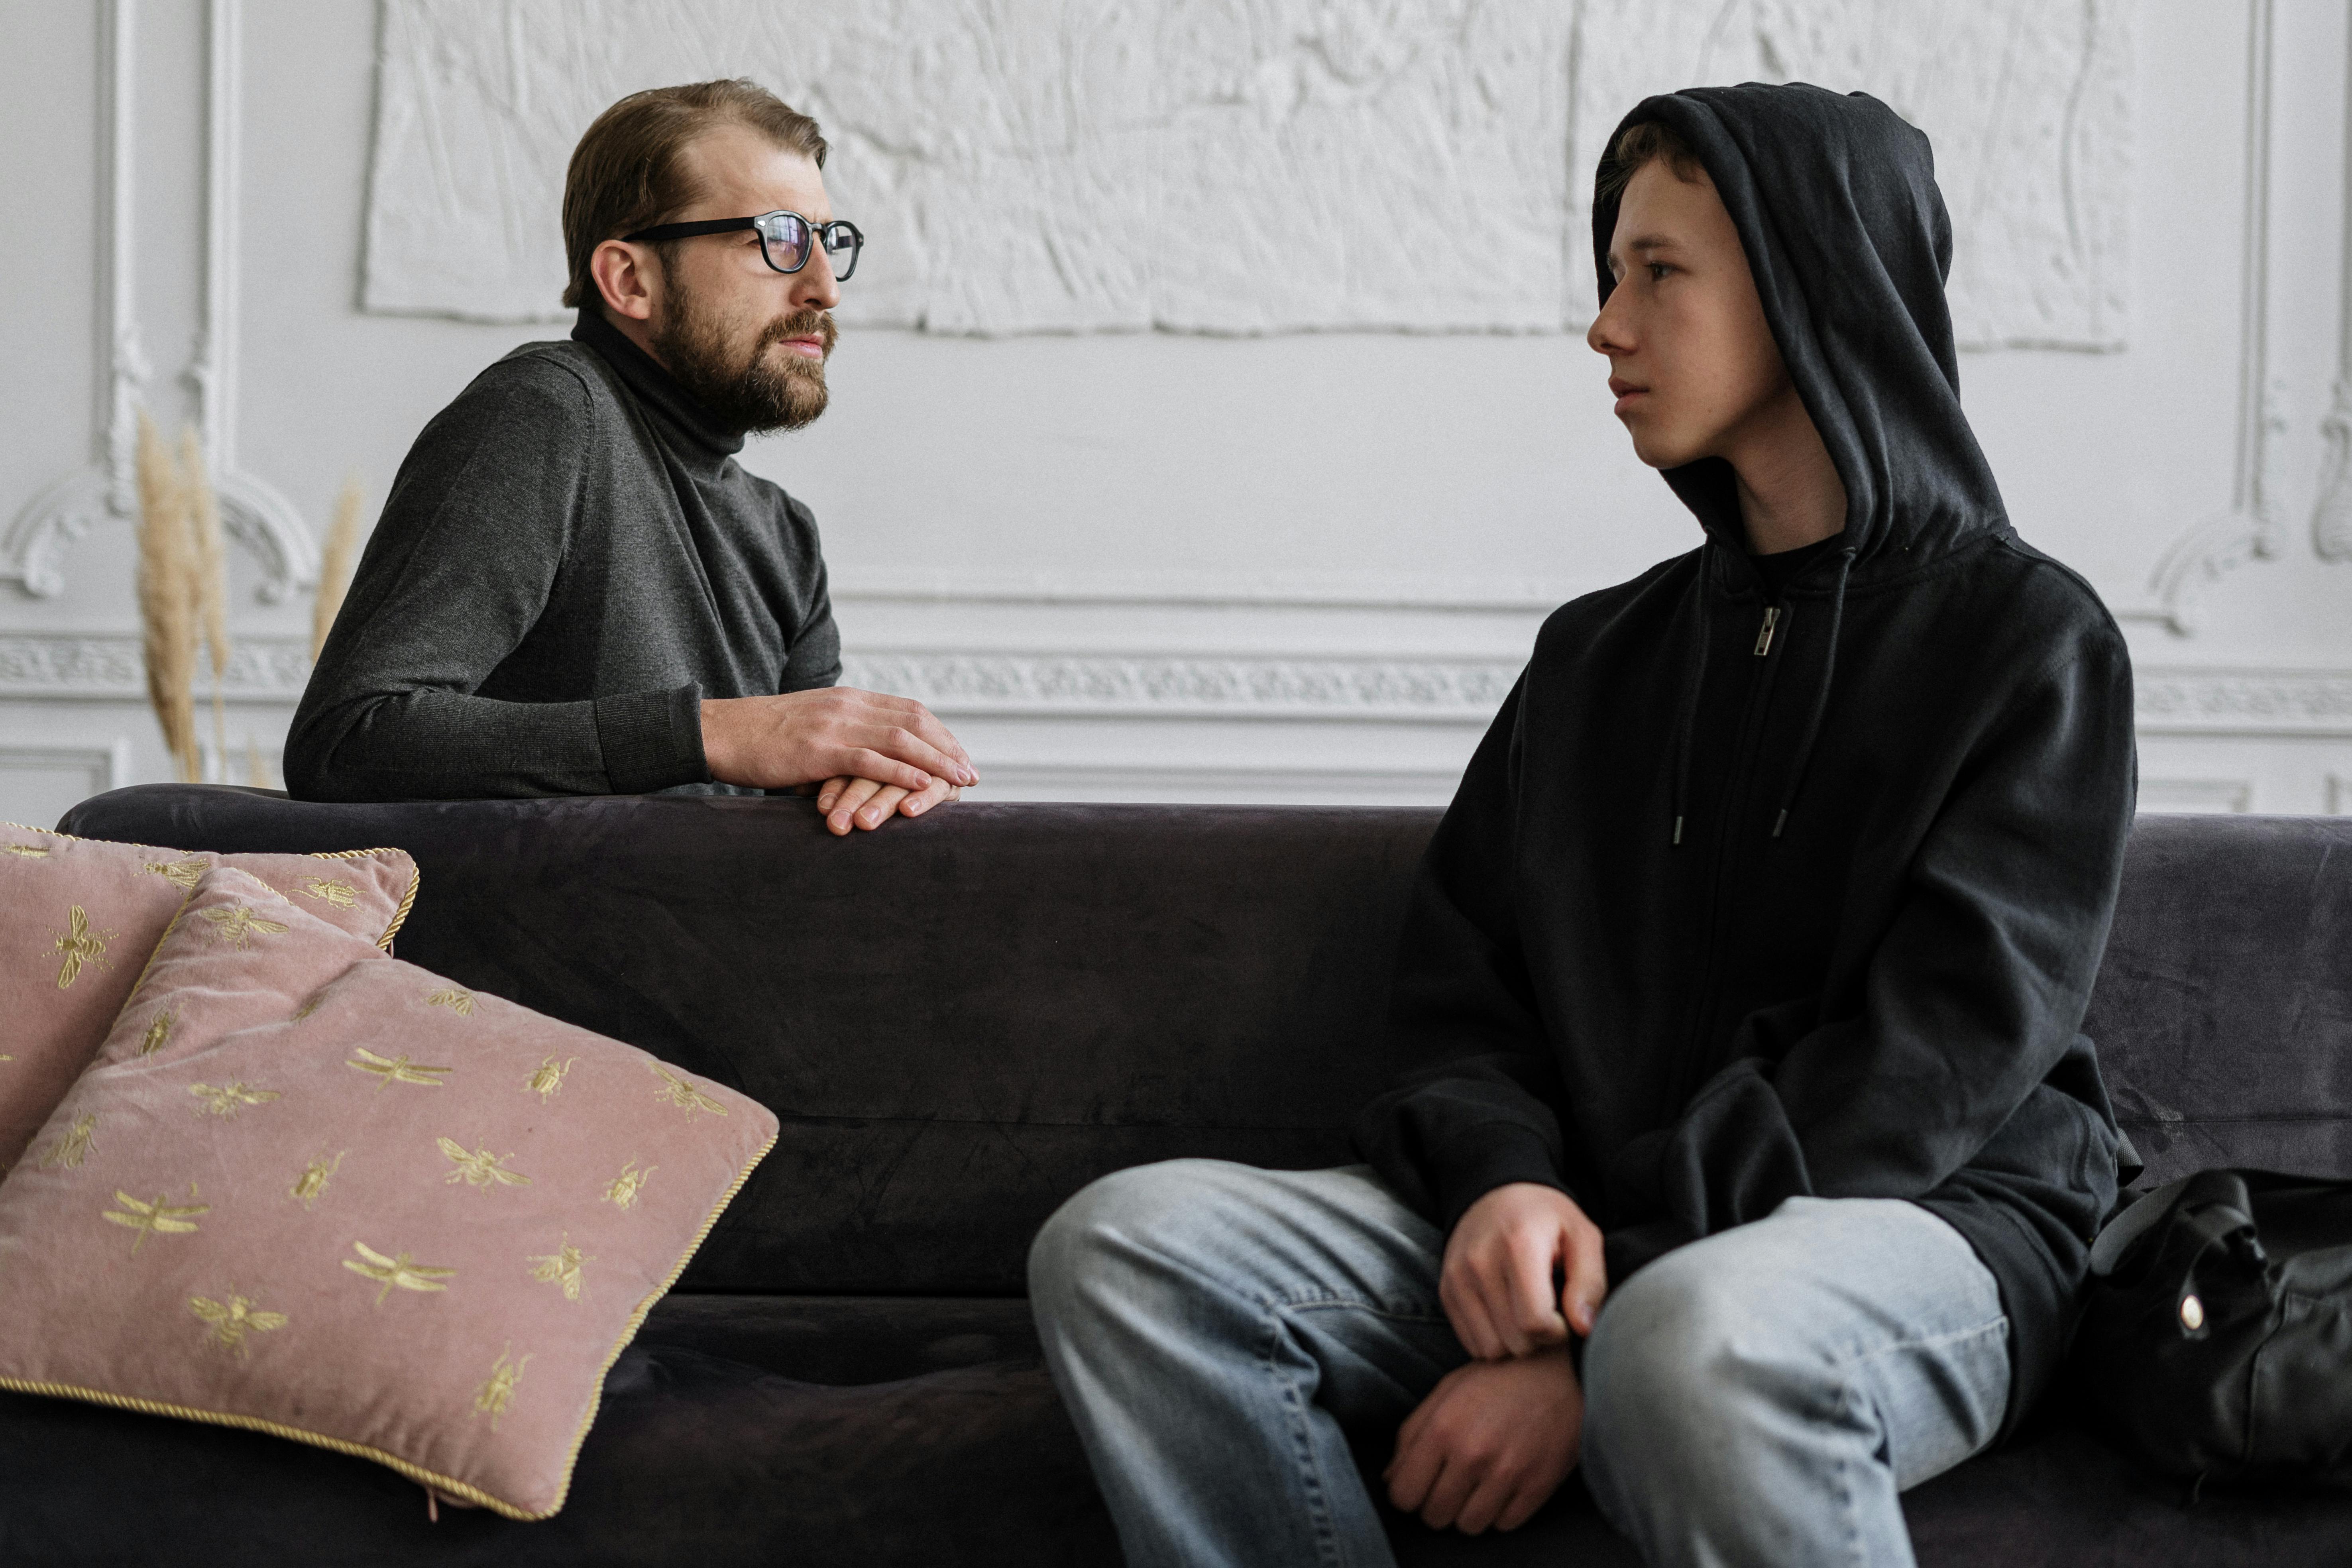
{"points": [[1626, 392]]}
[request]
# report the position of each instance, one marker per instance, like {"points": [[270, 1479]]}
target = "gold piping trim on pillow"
{"points": [[447, 1485], [637, 1318], [399, 915]]}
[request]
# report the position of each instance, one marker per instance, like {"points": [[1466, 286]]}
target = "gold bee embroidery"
{"points": [[548, 1078], [677, 1092], [561, 1267], [395, 1271], [28, 850], [181, 874], [229, 1099], [238, 924], [309, 1007], [481, 1167], [79, 945], [73, 1144], [624, 1190], [339, 894], [156, 1217], [396, 1069], [495, 1394], [231, 1320], [458, 1001], [157, 1033], [313, 1179]]}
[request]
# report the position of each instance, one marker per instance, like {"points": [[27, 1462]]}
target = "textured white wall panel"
{"points": [[1239, 165]]}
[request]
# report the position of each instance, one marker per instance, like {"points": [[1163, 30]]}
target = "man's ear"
{"points": [[629, 277]]}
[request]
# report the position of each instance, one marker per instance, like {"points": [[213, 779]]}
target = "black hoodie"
{"points": [[1742, 899]]}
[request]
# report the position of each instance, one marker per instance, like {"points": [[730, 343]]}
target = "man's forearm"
{"points": [[441, 745]]}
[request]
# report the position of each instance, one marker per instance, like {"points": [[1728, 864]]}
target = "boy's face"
{"points": [[1691, 359]]}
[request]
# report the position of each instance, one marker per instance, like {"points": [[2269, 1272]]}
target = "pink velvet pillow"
{"points": [[80, 916], [313, 1190]]}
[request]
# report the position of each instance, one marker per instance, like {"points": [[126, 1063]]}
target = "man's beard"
{"points": [[751, 394]]}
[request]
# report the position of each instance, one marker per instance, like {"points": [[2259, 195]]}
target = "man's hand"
{"points": [[848, 803], [1500, 1263], [833, 732], [1491, 1442]]}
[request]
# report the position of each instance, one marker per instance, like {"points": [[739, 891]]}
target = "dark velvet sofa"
{"points": [[964, 1019]]}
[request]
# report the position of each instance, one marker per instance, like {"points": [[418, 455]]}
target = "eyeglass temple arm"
{"points": [[688, 231]]}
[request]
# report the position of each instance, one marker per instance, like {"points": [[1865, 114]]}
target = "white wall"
{"points": [[1176, 565]]}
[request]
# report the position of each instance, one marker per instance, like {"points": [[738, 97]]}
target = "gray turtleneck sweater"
{"points": [[570, 561]]}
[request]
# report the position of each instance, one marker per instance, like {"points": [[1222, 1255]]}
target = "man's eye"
{"points": [[1658, 271]]}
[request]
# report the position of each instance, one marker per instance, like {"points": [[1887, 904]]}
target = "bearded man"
{"points": [[575, 588]]}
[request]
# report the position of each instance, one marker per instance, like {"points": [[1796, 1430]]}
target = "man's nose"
{"points": [[814, 288]]}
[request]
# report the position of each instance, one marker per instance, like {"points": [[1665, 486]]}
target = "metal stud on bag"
{"points": [[2192, 1313]]}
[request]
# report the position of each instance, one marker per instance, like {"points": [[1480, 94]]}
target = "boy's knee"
{"points": [[1683, 1350], [1097, 1226]]}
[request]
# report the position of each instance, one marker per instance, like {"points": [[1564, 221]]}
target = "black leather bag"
{"points": [[2216, 1339]]}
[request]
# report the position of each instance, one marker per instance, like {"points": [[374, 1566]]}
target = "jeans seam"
{"points": [[1312, 1481]]}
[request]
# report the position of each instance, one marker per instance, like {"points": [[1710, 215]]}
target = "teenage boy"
{"points": [[1743, 977], [575, 588]]}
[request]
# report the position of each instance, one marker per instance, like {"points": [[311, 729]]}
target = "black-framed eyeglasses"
{"points": [[787, 240]]}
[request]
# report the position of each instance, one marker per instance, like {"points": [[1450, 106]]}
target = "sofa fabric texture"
{"points": [[78, 917], [266, 1221], [846, 1374]]}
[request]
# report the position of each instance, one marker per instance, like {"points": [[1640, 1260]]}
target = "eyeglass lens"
{"points": [[786, 238]]}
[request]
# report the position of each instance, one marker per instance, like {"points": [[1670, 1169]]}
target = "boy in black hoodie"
{"points": [[1743, 978]]}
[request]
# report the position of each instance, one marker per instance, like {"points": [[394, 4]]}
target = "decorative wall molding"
{"points": [[2331, 516], [105, 667], [252, 512], [1148, 685], [2251, 528]]}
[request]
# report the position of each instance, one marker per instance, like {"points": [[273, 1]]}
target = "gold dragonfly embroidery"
{"points": [[676, 1091], [624, 1190], [236, 925], [156, 1217], [183, 874], [231, 1320], [458, 1001], [481, 1167], [399, 1271], [229, 1098], [396, 1069], [341, 895], [25, 850], [78, 944], [493, 1397], [548, 1078], [157, 1033], [313, 1179], [73, 1144], [561, 1267]]}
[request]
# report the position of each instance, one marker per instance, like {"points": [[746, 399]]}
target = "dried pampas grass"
{"points": [[167, 597], [211, 576], [335, 563]]}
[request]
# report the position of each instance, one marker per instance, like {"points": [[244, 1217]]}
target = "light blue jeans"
{"points": [[1757, 1397]]}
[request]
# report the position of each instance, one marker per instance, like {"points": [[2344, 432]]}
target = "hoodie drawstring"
{"points": [[1820, 694], [1694, 678]]}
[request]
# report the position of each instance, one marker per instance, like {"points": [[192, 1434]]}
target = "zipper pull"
{"points": [[1764, 635]]}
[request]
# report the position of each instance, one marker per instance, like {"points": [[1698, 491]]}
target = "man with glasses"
{"points": [[575, 587]]}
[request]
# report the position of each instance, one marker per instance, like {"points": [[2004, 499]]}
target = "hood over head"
{"points": [[1835, 201]]}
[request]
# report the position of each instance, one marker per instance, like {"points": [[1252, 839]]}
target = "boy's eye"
{"points": [[1658, 271]]}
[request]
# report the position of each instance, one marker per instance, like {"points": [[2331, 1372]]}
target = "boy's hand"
{"points": [[1492, 1441], [1500, 1262]]}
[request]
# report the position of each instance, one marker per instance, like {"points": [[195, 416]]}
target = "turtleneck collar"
{"points": [[697, 438]]}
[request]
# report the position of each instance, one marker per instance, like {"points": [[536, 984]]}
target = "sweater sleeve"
{"points": [[1971, 1003], [1472, 1110], [459, 568]]}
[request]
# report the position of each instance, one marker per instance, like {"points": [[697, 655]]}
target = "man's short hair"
{"points": [[1641, 145], [627, 173]]}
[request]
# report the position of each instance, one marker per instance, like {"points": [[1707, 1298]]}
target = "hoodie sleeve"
{"points": [[460, 567], [1971, 1003], [1473, 1112]]}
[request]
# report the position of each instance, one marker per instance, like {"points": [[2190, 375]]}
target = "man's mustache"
{"points": [[800, 325]]}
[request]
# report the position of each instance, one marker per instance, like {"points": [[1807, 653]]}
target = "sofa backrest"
{"points": [[962, 1020]]}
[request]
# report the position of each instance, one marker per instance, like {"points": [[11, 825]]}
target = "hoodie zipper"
{"points": [[1753, 708]]}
